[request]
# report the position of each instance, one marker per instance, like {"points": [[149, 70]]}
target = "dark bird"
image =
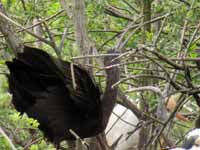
{"points": [[42, 88]]}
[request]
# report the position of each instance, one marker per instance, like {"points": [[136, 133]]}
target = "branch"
{"points": [[7, 138], [7, 30], [160, 56], [112, 11], [20, 26]]}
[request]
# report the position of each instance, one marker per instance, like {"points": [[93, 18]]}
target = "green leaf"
{"points": [[193, 47], [34, 147]]}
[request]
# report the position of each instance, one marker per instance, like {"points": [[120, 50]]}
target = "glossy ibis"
{"points": [[42, 88]]}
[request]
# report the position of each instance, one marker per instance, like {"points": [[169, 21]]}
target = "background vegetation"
{"points": [[159, 61]]}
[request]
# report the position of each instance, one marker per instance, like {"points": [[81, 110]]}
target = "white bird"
{"points": [[191, 141], [120, 127]]}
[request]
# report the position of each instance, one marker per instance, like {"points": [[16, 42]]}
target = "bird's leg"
{"points": [[57, 146]]}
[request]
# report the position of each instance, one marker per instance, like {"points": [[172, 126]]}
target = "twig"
{"points": [[33, 142], [192, 38], [44, 20], [162, 57], [7, 138], [159, 32], [92, 56], [53, 42], [147, 88], [179, 105], [110, 10], [169, 79], [73, 76], [128, 4], [28, 31], [84, 143], [140, 26], [133, 77], [115, 122], [63, 39]]}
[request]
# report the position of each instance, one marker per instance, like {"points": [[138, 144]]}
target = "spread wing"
{"points": [[37, 71], [42, 87]]}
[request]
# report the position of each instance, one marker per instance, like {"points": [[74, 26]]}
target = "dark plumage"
{"points": [[46, 93]]}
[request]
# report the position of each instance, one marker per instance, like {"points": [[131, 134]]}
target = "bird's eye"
{"points": [[197, 142]]}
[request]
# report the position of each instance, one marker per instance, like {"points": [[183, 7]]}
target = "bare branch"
{"points": [[7, 138]]}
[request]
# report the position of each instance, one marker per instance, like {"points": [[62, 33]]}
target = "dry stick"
{"points": [[185, 2], [162, 57], [113, 11], [159, 32], [84, 143], [172, 59], [125, 63], [120, 8], [73, 76], [128, 4], [125, 31], [125, 54], [150, 70], [53, 42], [183, 34], [184, 30], [110, 39], [179, 105], [137, 76], [118, 118], [138, 112], [63, 39], [151, 21], [7, 138], [44, 20], [151, 88], [20, 26], [123, 35], [23, 4], [11, 38], [147, 88], [192, 39], [33, 142], [169, 79], [41, 21], [197, 38], [181, 47], [137, 27], [92, 56], [189, 91], [66, 8], [126, 102], [133, 27], [186, 59]]}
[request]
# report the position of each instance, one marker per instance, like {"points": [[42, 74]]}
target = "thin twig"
{"points": [[160, 30], [73, 76], [28, 31], [8, 139], [83, 142], [147, 88]]}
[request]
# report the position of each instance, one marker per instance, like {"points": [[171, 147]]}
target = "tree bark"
{"points": [[7, 30]]}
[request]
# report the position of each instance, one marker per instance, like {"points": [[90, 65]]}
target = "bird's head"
{"points": [[192, 140]]}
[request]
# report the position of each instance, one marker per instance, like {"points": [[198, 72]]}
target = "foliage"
{"points": [[104, 30]]}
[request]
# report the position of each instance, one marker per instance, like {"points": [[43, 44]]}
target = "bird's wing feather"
{"points": [[36, 70]]}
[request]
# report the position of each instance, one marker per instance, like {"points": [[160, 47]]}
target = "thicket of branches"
{"points": [[158, 45]]}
